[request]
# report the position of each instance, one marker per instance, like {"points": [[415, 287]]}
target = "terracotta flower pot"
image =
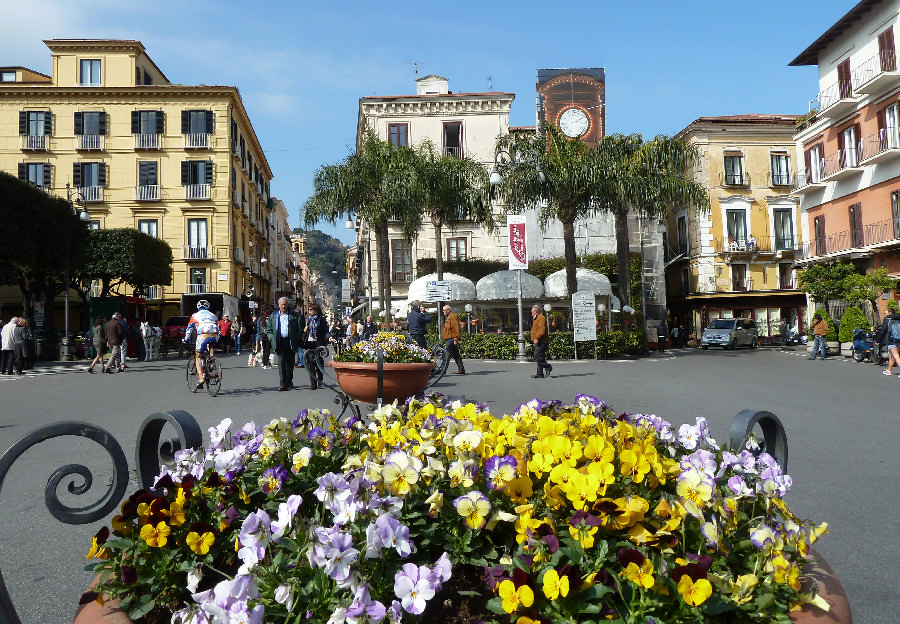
{"points": [[95, 613], [817, 573], [401, 381]]}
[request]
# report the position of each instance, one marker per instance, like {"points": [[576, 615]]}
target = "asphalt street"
{"points": [[841, 420]]}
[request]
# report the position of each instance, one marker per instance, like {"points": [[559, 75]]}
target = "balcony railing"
{"points": [[402, 278], [146, 141], [779, 178], [152, 293], [866, 77], [146, 192], [195, 289], [883, 145], [841, 163], [453, 151], [735, 179], [239, 255], [196, 141], [89, 142], [92, 193], [787, 284], [809, 179], [196, 252], [196, 191], [742, 284], [37, 142], [761, 244], [835, 100]]}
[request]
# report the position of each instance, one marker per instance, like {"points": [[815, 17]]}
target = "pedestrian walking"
{"points": [[264, 343], [418, 322], [99, 342], [676, 336], [370, 328], [240, 334], [541, 339], [661, 335], [888, 333], [284, 333], [298, 357], [123, 353], [225, 327], [820, 329], [336, 335], [783, 332], [450, 334], [18, 345], [115, 337], [9, 357], [315, 335]]}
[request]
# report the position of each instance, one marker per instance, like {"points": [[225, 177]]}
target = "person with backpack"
{"points": [[820, 330], [889, 334]]}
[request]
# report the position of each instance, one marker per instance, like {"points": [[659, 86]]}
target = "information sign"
{"points": [[437, 291], [584, 317]]}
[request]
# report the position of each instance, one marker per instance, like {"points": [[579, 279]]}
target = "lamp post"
{"points": [[468, 308], [84, 217]]}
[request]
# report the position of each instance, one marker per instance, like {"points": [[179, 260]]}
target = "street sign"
{"points": [[437, 291], [345, 290], [584, 317], [518, 242]]}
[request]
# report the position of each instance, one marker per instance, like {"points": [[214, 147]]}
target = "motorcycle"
{"points": [[864, 348]]}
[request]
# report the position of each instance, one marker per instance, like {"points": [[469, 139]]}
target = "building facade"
{"points": [[181, 163], [849, 182], [736, 258]]}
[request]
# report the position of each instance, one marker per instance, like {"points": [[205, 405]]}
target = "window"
{"points": [[90, 73], [456, 249], [785, 276], [196, 122], [148, 79], [94, 225], [147, 122], [148, 182], [819, 228], [36, 173], [397, 134], [93, 123], [8, 76], [856, 225], [895, 212], [34, 123], [683, 244], [149, 227], [453, 138], [739, 277], [737, 227], [784, 228], [401, 262], [890, 127], [886, 51], [814, 164], [90, 178], [781, 171], [198, 278], [196, 172], [197, 238], [734, 170]]}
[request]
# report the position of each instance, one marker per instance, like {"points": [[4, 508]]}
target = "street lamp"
{"points": [[349, 224], [84, 217], [468, 308]]}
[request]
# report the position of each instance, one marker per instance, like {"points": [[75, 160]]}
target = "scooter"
{"points": [[864, 348]]}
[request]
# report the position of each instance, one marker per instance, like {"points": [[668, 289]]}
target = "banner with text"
{"points": [[584, 317], [518, 242]]}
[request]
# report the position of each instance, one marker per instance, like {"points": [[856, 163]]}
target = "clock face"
{"points": [[574, 122]]}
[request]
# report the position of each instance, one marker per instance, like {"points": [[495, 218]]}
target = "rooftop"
{"points": [[810, 56]]}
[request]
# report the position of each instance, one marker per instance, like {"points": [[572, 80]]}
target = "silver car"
{"points": [[730, 333]]}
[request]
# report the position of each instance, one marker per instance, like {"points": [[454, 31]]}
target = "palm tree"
{"points": [[649, 177], [379, 182], [456, 190]]}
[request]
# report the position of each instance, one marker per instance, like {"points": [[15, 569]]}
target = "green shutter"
{"points": [[160, 121], [48, 123], [210, 122], [135, 122], [79, 123], [209, 172], [76, 175], [185, 122], [48, 178], [23, 171], [23, 123], [185, 171], [102, 123], [101, 174]]}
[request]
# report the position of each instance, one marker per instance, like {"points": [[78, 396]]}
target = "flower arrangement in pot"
{"points": [[405, 370], [568, 513]]}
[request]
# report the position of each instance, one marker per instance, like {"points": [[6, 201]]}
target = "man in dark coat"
{"points": [[115, 336], [541, 339], [370, 328], [418, 321], [284, 332], [316, 335]]}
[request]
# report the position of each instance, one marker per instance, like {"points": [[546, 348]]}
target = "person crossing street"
{"points": [[541, 339], [284, 332]]}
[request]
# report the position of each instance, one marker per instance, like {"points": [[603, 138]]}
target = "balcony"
{"points": [[239, 255], [197, 191], [742, 284], [877, 74], [843, 164], [735, 179], [92, 194], [779, 178], [196, 252], [880, 147], [146, 141], [778, 245], [195, 289], [196, 141], [89, 142], [809, 180], [453, 151], [788, 283], [235, 199], [146, 192], [152, 293], [402, 278], [837, 100], [246, 208], [35, 142]]}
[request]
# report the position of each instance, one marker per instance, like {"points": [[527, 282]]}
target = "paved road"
{"points": [[841, 420]]}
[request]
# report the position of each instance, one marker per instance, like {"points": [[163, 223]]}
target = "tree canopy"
{"points": [[125, 256]]}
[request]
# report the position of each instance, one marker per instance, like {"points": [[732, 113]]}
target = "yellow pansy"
{"points": [[513, 597], [694, 593], [97, 551], [692, 487], [200, 543], [176, 513], [641, 575], [741, 589], [584, 535], [554, 585], [155, 536]]}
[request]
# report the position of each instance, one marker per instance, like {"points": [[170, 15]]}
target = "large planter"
{"points": [[400, 381], [834, 348]]}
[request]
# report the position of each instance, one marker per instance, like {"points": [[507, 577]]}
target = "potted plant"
{"points": [[852, 320], [405, 368], [443, 512]]}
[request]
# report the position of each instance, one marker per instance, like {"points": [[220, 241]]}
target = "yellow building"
{"points": [[736, 258], [179, 162]]}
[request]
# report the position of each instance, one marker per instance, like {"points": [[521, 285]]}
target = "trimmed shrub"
{"points": [[852, 320], [831, 336]]}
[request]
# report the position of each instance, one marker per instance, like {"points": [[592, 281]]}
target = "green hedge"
{"points": [[562, 346], [852, 320]]}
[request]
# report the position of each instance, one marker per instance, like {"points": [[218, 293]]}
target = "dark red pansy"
{"points": [[128, 575], [520, 577], [202, 527], [187, 484], [214, 480], [693, 570], [102, 535], [630, 555], [163, 482], [88, 597]]}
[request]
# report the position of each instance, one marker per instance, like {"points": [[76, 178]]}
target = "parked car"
{"points": [[173, 334], [730, 333]]}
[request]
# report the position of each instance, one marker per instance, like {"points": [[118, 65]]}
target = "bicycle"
{"points": [[213, 377]]}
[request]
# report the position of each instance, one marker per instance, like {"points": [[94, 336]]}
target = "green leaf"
{"points": [[765, 601], [143, 605], [495, 605]]}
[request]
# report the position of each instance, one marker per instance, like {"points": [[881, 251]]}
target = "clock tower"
{"points": [[574, 100]]}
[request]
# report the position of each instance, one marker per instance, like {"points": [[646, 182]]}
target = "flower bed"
{"points": [[394, 347], [556, 513]]}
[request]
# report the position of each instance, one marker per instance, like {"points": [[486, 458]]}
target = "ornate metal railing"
{"points": [[759, 431]]}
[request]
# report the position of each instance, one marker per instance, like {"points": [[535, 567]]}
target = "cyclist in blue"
{"points": [[205, 324]]}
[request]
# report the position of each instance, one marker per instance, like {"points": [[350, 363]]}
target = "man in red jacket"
{"points": [[225, 333]]}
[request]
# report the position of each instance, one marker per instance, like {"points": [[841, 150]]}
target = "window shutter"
{"points": [[142, 173], [79, 123], [160, 121], [881, 120], [135, 122], [857, 138], [101, 174], [840, 138], [76, 175], [103, 123], [48, 123], [185, 122], [807, 159], [48, 178], [210, 122], [23, 123], [23, 171], [185, 171], [209, 172]]}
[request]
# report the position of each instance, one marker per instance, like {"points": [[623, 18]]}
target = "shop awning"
{"points": [[461, 288], [587, 281], [505, 285]]}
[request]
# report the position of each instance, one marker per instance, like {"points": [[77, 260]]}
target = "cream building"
{"points": [[178, 162], [736, 259]]}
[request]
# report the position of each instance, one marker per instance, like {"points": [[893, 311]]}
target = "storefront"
{"points": [[768, 311]]}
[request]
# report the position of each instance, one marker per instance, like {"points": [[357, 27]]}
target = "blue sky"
{"points": [[301, 67]]}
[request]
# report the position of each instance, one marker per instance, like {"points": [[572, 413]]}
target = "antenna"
{"points": [[490, 79], [415, 65]]}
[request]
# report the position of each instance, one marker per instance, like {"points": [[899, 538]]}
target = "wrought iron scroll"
{"points": [[774, 440], [441, 360], [314, 359], [152, 451], [62, 512]]}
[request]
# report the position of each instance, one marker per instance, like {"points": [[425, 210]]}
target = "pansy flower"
{"points": [[474, 508], [499, 471]]}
